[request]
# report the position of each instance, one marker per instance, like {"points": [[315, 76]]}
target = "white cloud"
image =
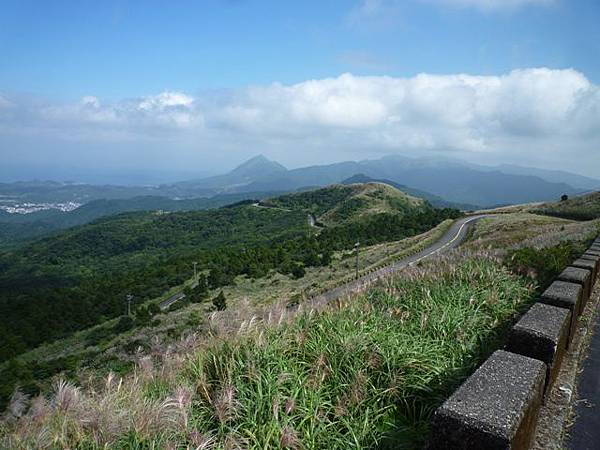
{"points": [[4, 103], [458, 111], [166, 112], [378, 15], [375, 14], [493, 5], [532, 112]]}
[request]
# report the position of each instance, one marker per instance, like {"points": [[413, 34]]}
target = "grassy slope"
{"points": [[368, 371], [525, 229], [114, 351], [131, 241], [365, 372], [339, 204], [584, 207]]}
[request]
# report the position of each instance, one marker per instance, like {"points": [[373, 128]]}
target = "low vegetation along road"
{"points": [[452, 239]]}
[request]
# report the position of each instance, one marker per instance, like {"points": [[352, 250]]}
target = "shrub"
{"points": [[298, 271], [542, 265], [124, 324], [98, 335], [220, 302]]}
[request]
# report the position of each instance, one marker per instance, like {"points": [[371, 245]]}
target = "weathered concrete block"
{"points": [[579, 276], [543, 334], [589, 262], [595, 247], [496, 408], [565, 295], [591, 254]]}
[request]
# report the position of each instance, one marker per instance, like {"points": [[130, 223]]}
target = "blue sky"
{"points": [[210, 55]]}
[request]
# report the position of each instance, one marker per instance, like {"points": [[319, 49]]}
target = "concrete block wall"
{"points": [[497, 407]]}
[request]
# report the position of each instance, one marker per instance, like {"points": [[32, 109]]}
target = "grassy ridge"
{"points": [[364, 373], [337, 204], [584, 207]]}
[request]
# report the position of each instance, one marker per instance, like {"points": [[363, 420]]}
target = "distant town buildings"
{"points": [[28, 208]]}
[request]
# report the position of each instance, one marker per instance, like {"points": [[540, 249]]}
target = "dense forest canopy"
{"points": [[17, 228], [81, 276]]}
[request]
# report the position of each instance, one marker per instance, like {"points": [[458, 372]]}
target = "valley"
{"points": [[375, 330], [85, 273], [202, 269]]}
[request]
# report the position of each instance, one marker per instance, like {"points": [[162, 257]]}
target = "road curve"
{"points": [[174, 298], [452, 239], [165, 304]]}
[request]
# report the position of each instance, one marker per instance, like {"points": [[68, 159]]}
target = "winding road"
{"points": [[451, 239]]}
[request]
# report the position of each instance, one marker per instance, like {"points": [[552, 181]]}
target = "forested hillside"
{"points": [[15, 228], [79, 277]]}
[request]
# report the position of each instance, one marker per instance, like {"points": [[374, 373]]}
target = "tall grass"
{"points": [[365, 372]]}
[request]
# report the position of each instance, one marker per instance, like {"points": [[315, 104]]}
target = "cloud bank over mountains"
{"points": [[548, 113]]}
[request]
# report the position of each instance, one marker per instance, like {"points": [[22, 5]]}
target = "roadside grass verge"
{"points": [[508, 231], [363, 372], [112, 350]]}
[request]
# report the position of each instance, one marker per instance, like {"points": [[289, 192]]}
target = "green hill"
{"points": [[79, 277], [435, 200], [339, 204], [583, 207], [16, 228], [365, 371]]}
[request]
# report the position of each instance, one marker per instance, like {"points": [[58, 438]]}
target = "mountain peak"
{"points": [[258, 166]]}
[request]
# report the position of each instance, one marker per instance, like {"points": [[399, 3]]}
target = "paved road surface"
{"points": [[452, 239], [585, 433], [174, 298]]}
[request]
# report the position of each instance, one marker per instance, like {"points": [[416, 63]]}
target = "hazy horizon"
{"points": [[112, 92]]}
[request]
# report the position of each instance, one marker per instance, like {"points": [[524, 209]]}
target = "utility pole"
{"points": [[129, 298], [356, 247], [195, 272]]}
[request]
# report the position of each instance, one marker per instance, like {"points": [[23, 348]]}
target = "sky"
{"points": [[154, 90]]}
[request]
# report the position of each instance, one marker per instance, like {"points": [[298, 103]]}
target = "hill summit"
{"points": [[338, 204], [259, 166]]}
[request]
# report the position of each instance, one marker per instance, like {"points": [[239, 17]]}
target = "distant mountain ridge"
{"points": [[448, 180], [451, 180], [258, 167], [560, 176]]}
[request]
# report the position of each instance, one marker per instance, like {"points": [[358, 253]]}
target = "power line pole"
{"points": [[356, 247], [129, 298], [195, 272]]}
